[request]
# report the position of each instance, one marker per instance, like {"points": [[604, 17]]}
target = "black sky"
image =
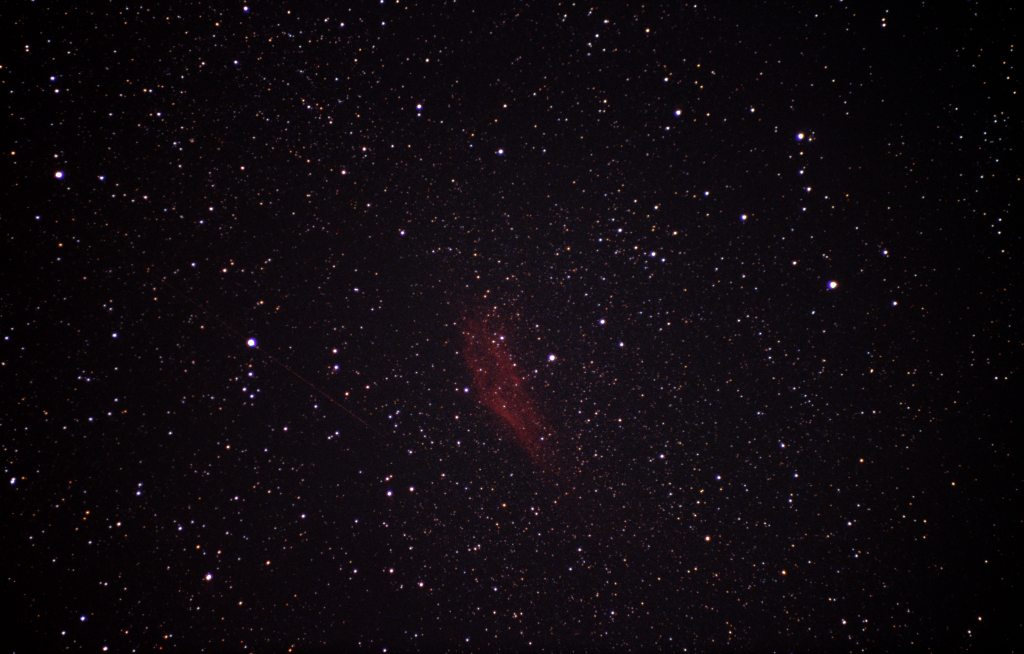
{"points": [[540, 326]]}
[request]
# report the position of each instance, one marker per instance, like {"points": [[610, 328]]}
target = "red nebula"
{"points": [[500, 388]]}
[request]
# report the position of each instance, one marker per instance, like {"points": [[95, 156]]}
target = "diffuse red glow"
{"points": [[499, 387]]}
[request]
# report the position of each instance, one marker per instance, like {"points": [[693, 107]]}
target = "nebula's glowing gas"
{"points": [[499, 387]]}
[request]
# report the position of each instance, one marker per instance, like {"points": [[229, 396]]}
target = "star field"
{"points": [[412, 327]]}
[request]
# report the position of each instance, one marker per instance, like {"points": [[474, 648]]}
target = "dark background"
{"points": [[748, 460]]}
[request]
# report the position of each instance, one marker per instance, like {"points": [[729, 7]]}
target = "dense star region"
{"points": [[403, 326]]}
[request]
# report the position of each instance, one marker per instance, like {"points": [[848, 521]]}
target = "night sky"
{"points": [[409, 327]]}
